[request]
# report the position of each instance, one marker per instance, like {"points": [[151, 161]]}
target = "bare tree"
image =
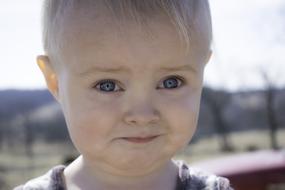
{"points": [[29, 138], [270, 96], [217, 102], [1, 134]]}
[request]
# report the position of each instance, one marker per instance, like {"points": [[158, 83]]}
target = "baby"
{"points": [[128, 75]]}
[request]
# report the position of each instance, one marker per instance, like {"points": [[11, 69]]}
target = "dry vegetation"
{"points": [[16, 167]]}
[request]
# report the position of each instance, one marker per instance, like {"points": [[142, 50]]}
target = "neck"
{"points": [[85, 175]]}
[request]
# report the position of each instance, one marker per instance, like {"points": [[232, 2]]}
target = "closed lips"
{"points": [[140, 139]]}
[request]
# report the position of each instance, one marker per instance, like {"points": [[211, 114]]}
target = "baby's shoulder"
{"points": [[53, 179], [195, 179]]}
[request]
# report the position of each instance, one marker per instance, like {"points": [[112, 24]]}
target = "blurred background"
{"points": [[242, 107]]}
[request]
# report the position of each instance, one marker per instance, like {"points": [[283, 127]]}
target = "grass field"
{"points": [[16, 167]]}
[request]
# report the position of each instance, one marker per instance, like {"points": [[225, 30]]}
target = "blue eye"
{"points": [[106, 86], [109, 85], [172, 82]]}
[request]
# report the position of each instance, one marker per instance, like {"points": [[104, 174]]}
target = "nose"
{"points": [[141, 114]]}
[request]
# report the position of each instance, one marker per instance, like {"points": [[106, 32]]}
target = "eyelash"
{"points": [[181, 82]]}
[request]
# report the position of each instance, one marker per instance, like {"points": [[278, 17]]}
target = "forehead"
{"points": [[85, 25], [98, 36]]}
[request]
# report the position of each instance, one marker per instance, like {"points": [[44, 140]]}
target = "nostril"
{"points": [[142, 118]]}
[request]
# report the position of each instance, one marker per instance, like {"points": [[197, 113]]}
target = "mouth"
{"points": [[140, 139]]}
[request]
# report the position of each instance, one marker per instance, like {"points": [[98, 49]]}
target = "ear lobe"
{"points": [[49, 74], [208, 57]]}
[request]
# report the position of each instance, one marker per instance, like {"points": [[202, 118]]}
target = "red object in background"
{"points": [[261, 170]]}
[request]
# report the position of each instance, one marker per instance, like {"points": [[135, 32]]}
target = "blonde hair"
{"points": [[191, 18]]}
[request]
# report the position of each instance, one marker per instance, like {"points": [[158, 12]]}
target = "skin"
{"points": [[102, 124]]}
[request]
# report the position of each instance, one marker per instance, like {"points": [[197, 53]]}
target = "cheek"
{"points": [[91, 122], [182, 116], [93, 116]]}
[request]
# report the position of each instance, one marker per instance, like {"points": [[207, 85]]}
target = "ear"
{"points": [[208, 57], [49, 74]]}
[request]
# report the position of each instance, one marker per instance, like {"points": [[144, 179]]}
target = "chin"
{"points": [[140, 165]]}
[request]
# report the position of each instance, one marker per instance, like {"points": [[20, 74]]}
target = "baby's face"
{"points": [[130, 102]]}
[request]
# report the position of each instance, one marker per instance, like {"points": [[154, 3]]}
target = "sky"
{"points": [[249, 41]]}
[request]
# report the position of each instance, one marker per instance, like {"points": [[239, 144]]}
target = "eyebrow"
{"points": [[96, 69], [179, 68], [122, 69]]}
